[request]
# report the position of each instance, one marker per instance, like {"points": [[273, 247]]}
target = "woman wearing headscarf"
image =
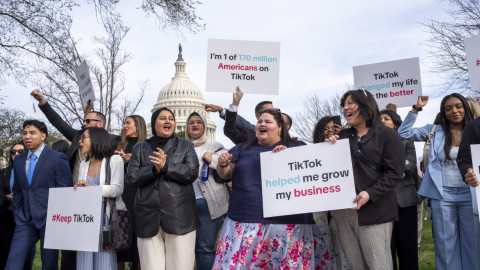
{"points": [[163, 169], [378, 159], [211, 197], [451, 200]]}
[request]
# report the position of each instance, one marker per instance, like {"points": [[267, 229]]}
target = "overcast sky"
{"points": [[320, 42]]}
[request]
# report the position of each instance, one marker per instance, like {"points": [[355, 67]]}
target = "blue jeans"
{"points": [[206, 236]]}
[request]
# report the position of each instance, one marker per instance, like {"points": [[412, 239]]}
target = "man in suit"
{"points": [[75, 157], [35, 172]]}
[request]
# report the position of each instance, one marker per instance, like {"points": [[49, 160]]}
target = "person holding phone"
{"points": [[451, 201]]}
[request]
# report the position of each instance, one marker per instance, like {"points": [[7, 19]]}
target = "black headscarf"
{"points": [[157, 141]]}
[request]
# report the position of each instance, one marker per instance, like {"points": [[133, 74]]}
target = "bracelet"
{"points": [[419, 109]]}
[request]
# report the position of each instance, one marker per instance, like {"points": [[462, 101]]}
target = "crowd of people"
{"points": [[194, 204]]}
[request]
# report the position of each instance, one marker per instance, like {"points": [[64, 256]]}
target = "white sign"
{"points": [[308, 178], [472, 51], [475, 151], [84, 83], [74, 218], [395, 82], [252, 65]]}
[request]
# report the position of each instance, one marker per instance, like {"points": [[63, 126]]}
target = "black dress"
{"points": [[128, 197]]}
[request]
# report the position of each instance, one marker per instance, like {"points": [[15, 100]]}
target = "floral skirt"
{"points": [[271, 246]]}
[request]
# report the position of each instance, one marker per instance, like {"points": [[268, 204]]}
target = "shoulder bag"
{"points": [[119, 234], [427, 148]]}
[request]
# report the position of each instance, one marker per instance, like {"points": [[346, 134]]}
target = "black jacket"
{"points": [[406, 190], [383, 146], [73, 135], [470, 135], [166, 199], [5, 188], [235, 134]]}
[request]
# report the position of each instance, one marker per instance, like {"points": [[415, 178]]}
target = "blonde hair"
{"points": [[141, 128], [474, 107]]}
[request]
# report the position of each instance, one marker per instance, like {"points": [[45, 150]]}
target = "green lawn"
{"points": [[426, 255]]}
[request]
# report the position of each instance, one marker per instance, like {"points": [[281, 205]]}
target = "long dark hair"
{"points": [[367, 106], [100, 146], [10, 159], [285, 138], [319, 131], [396, 119], [442, 120]]}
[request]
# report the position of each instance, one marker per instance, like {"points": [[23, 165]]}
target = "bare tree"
{"points": [[314, 109], [59, 85], [447, 47], [110, 79], [11, 122], [38, 31]]}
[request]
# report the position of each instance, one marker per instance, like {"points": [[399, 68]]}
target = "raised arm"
{"points": [[52, 116]]}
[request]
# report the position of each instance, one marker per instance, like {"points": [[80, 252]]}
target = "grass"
{"points": [[426, 254]]}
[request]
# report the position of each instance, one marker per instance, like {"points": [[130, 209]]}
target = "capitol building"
{"points": [[183, 97]]}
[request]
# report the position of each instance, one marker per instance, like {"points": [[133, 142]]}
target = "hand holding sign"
{"points": [[471, 178]]}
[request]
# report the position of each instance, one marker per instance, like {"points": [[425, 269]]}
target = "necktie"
{"points": [[33, 163]]}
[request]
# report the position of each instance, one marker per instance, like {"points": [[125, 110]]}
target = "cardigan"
{"points": [[115, 189]]}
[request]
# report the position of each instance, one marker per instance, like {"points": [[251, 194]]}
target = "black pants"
{"points": [[404, 239]]}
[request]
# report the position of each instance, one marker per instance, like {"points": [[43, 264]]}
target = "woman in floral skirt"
{"points": [[248, 240]]}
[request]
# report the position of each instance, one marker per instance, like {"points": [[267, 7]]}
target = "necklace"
{"points": [[456, 133]]}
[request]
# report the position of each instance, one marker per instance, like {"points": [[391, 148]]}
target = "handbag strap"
{"points": [[108, 176], [431, 134]]}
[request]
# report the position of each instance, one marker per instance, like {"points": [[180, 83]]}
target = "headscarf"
{"points": [[157, 141], [202, 138]]}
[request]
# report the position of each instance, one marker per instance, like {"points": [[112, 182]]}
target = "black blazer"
{"points": [[383, 146], [73, 135], [166, 199], [5, 188]]}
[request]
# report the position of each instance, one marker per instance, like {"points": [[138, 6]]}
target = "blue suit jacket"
{"points": [[30, 201], [432, 184]]}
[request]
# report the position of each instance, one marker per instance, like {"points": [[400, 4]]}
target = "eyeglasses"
{"points": [[89, 120], [199, 122], [83, 136], [19, 151]]}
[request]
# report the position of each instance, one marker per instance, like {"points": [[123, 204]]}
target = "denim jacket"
{"points": [[432, 184]]}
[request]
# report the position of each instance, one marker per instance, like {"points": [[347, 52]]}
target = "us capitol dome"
{"points": [[183, 97]]}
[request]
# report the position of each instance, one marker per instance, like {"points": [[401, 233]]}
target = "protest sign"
{"points": [[84, 83], [308, 178], [252, 65], [472, 51], [475, 150], [74, 218], [395, 82]]}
